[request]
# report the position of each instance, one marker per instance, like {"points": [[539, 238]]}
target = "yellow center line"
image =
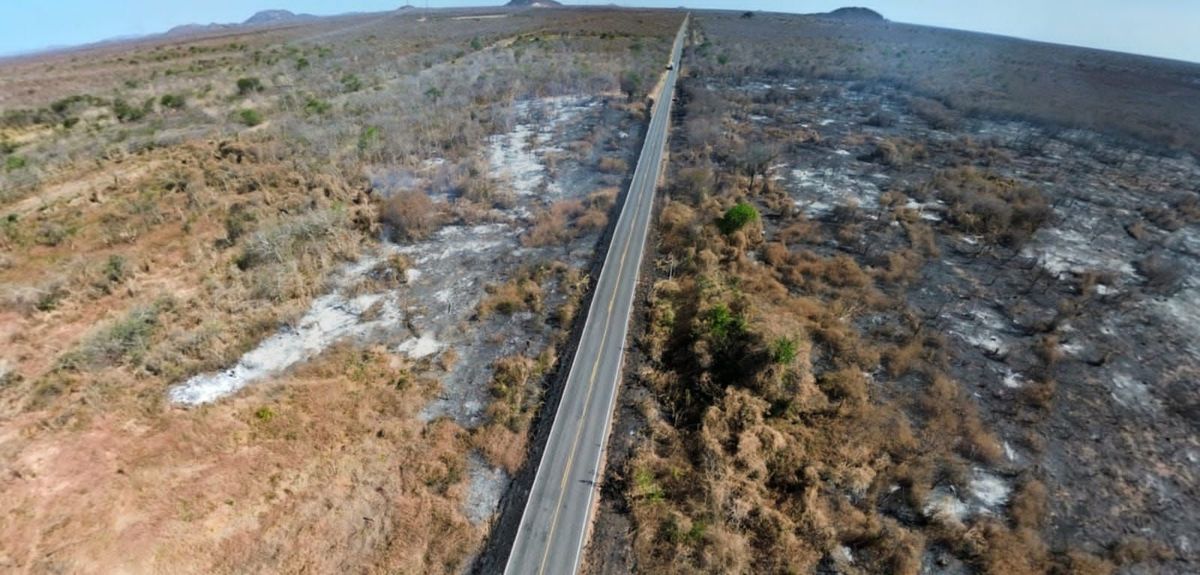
{"points": [[591, 385]]}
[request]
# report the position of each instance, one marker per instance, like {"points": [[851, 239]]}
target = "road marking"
{"points": [[637, 217], [658, 144], [562, 491]]}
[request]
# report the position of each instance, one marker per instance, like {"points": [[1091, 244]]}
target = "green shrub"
{"points": [[723, 324], [737, 217], [351, 83], [369, 136], [302, 63], [49, 299], [172, 101], [316, 106], [14, 163], [125, 341], [631, 84], [238, 222], [114, 272], [249, 85], [645, 486], [250, 117], [264, 414], [783, 351], [127, 113]]}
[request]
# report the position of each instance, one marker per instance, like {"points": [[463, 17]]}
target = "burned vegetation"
{"points": [[907, 316]]}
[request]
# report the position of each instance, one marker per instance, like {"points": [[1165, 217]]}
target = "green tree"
{"points": [[631, 84], [737, 217]]}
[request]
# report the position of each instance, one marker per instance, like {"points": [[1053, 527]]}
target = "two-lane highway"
{"points": [[555, 523]]}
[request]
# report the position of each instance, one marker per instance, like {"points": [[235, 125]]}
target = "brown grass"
{"points": [[410, 215], [292, 475]]}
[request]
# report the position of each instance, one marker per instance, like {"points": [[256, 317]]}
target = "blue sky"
{"points": [[1168, 28]]}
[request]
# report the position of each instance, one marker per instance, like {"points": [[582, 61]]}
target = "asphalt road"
{"points": [[555, 523]]}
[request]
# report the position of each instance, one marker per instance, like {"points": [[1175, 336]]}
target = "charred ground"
{"points": [[921, 304]]}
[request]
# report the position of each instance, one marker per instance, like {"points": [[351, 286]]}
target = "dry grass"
{"points": [[295, 475], [143, 244], [410, 215], [565, 220]]}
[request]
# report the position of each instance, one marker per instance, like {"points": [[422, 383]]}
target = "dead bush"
{"points": [[1028, 505], [410, 215], [936, 114], [896, 152], [550, 225], [1162, 275], [997, 208], [612, 165], [523, 292]]}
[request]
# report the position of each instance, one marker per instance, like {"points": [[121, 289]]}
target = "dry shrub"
{"points": [[611, 165], [501, 446], [565, 220], [903, 266], [1048, 350], [936, 114], [550, 225], [902, 359], [1081, 563], [848, 385], [996, 550], [523, 292], [897, 152], [977, 442], [1039, 393], [1028, 505], [481, 189], [1132, 550], [1000, 209], [410, 215]]}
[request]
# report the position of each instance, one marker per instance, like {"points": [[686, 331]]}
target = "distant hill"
{"points": [[276, 17], [532, 3], [263, 18], [189, 29], [855, 13]]}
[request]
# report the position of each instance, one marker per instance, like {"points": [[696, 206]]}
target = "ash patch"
{"points": [[486, 487]]}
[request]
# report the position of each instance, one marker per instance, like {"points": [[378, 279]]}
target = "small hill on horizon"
{"points": [[855, 13], [276, 17], [260, 18], [533, 3]]}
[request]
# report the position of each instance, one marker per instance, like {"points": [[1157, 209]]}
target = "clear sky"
{"points": [[1168, 28]]}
